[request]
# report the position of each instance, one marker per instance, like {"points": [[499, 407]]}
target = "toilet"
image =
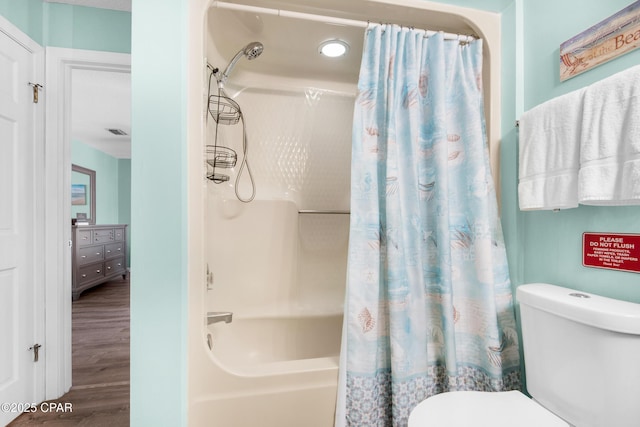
{"points": [[581, 353]]}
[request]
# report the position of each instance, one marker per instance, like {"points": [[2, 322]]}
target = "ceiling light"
{"points": [[333, 48]]}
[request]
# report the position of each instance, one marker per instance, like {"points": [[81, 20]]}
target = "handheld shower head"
{"points": [[251, 51]]}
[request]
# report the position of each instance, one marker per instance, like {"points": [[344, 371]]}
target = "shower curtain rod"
{"points": [[322, 18]]}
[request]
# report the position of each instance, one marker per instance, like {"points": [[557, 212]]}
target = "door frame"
{"points": [[60, 63]]}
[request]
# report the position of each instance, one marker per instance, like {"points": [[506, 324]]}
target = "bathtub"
{"points": [[272, 372], [282, 274], [272, 345]]}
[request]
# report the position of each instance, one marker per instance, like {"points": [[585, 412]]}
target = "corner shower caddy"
{"points": [[224, 111]]}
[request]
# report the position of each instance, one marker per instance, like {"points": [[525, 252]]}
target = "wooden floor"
{"points": [[100, 393]]}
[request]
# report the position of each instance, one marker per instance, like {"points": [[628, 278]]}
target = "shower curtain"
{"points": [[429, 306]]}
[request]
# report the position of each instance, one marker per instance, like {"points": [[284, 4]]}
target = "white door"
{"points": [[19, 374]]}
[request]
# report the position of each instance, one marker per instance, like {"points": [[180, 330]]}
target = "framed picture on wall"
{"points": [[78, 194], [608, 39]]}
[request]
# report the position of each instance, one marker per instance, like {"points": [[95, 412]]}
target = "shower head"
{"points": [[251, 51]]}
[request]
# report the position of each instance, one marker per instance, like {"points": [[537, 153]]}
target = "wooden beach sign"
{"points": [[616, 35]]}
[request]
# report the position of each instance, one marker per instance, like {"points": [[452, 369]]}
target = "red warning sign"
{"points": [[612, 251]]}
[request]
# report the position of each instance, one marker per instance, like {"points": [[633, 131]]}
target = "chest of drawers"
{"points": [[99, 255]]}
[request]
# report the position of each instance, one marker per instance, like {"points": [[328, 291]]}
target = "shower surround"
{"points": [[279, 262]]}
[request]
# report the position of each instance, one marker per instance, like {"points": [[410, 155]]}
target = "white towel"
{"points": [[610, 149], [549, 154]]}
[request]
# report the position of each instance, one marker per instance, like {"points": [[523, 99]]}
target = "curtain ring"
{"points": [[369, 26]]}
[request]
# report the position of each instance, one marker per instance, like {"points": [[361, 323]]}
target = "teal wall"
{"points": [[157, 39], [26, 15], [113, 186], [89, 28], [542, 246], [106, 168], [159, 214], [546, 246], [77, 27]]}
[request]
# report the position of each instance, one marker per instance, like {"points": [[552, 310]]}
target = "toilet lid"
{"points": [[478, 409]]}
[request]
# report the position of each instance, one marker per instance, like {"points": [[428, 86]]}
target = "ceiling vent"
{"points": [[118, 132]]}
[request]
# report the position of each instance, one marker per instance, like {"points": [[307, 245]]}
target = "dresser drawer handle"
{"points": [[83, 256], [97, 253], [98, 271], [84, 275], [109, 251], [109, 268], [119, 265], [85, 238]]}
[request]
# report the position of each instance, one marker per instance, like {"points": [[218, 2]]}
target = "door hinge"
{"points": [[35, 348], [36, 88]]}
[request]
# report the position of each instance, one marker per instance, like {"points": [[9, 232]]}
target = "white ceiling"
{"points": [[101, 100], [103, 4]]}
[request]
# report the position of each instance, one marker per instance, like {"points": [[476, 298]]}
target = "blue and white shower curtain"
{"points": [[429, 306]]}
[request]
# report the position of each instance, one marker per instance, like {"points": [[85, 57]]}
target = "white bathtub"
{"points": [[272, 372], [272, 345], [282, 274]]}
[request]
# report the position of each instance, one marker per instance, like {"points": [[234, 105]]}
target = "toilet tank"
{"points": [[582, 355]]}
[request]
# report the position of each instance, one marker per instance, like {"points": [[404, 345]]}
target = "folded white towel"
{"points": [[610, 149], [549, 154]]}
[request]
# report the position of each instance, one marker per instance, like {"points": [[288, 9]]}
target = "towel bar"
{"points": [[331, 212]]}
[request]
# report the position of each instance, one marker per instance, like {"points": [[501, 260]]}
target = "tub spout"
{"points": [[219, 316]]}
